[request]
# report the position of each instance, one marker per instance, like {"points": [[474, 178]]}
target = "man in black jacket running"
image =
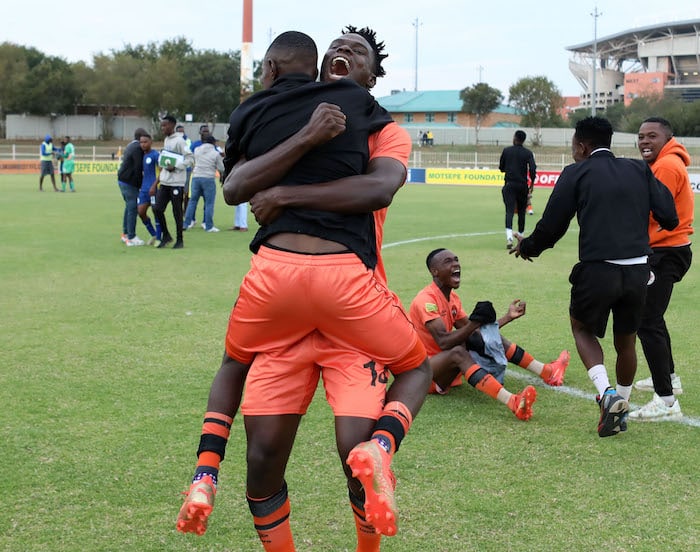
{"points": [[611, 198]]}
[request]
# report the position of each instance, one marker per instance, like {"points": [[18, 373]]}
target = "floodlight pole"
{"points": [[594, 93], [416, 23], [247, 50]]}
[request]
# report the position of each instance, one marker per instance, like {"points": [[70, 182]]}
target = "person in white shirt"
{"points": [[207, 161], [175, 158]]}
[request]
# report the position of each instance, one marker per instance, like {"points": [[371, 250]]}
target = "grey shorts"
{"points": [[46, 168]]}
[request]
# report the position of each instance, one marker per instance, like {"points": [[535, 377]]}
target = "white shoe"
{"points": [[648, 384], [151, 241], [124, 238], [191, 225], [213, 229], [204, 226], [657, 411], [135, 241]]}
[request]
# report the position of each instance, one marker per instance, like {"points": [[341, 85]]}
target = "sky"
{"points": [[459, 42]]}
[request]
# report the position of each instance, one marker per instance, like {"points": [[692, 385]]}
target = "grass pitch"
{"points": [[108, 354]]}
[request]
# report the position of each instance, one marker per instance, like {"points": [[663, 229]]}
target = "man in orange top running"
{"points": [[356, 420], [670, 260], [472, 347]]}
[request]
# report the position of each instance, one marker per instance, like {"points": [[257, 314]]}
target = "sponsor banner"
{"points": [[96, 167], [695, 183], [473, 177], [486, 177], [468, 177], [546, 179], [8, 166]]}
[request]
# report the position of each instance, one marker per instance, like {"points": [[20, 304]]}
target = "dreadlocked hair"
{"points": [[377, 47]]}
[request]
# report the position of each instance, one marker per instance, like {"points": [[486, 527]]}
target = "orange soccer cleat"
{"points": [[557, 369], [521, 403], [371, 465], [197, 507]]}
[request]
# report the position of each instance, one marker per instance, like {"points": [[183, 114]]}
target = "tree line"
{"points": [[173, 77], [154, 78], [540, 100], [683, 116]]}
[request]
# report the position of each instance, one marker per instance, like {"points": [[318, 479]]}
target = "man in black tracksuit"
{"points": [[611, 198], [517, 162]]}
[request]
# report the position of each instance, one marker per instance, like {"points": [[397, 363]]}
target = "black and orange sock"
{"points": [[518, 355], [212, 444], [271, 519], [368, 540], [481, 380], [392, 426]]}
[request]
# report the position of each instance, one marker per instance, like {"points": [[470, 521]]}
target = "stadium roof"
{"points": [[429, 101], [624, 45]]}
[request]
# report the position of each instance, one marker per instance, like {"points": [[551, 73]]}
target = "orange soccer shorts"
{"points": [[285, 382], [287, 296]]}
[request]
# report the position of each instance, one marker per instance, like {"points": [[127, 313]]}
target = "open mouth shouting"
{"points": [[339, 68]]}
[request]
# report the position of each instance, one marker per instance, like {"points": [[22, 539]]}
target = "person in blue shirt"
{"points": [[203, 133], [147, 192]]}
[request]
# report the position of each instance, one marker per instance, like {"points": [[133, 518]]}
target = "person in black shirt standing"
{"points": [[611, 198], [516, 162], [129, 177]]}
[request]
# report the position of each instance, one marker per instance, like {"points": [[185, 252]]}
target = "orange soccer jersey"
{"points": [[355, 381], [394, 142], [430, 304]]}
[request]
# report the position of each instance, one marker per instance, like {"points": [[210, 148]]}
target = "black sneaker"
{"points": [[163, 242], [613, 413], [178, 245]]}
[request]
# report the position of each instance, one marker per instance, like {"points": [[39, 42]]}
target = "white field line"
{"points": [[431, 238], [573, 392], [532, 380]]}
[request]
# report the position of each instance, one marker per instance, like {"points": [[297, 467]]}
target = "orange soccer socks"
{"points": [[520, 404], [212, 444], [271, 519], [518, 355], [551, 373], [392, 426], [481, 380], [199, 503], [371, 465], [368, 540]]}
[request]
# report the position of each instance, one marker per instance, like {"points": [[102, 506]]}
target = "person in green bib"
{"points": [[68, 165], [46, 156]]}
